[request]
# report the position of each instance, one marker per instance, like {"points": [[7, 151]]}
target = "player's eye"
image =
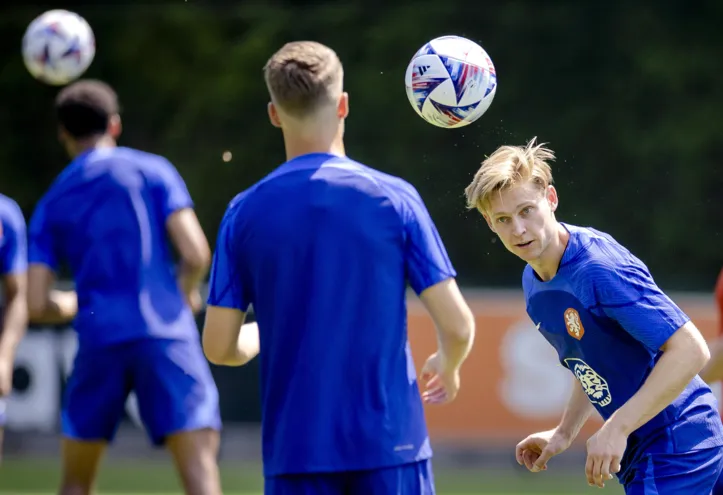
{"points": [[502, 220], [526, 210]]}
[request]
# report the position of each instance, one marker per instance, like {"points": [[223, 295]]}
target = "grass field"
{"points": [[154, 478]]}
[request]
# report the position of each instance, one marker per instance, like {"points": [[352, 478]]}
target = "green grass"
{"points": [[158, 478]]}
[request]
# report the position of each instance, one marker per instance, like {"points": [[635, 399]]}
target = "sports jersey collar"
{"points": [[573, 244]]}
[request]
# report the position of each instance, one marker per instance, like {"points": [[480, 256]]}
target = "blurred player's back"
{"points": [[331, 240], [111, 216], [108, 212]]}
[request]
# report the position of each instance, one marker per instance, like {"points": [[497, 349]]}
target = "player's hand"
{"points": [[194, 301], [6, 375], [605, 449], [441, 383], [534, 451]]}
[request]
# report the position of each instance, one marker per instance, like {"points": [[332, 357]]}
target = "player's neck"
{"points": [[547, 265], [298, 144], [82, 145]]}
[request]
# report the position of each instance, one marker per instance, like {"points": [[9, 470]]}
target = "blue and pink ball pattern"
{"points": [[451, 82]]}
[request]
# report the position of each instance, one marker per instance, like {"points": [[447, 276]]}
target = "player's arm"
{"points": [[175, 206], [713, 371], [628, 294], [227, 340], [189, 240], [432, 277], [684, 355], [453, 319], [14, 282], [46, 304], [15, 318], [576, 413]]}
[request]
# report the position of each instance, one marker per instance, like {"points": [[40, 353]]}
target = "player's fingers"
{"points": [[589, 464], [615, 465], [541, 462], [435, 397], [597, 471], [529, 457]]}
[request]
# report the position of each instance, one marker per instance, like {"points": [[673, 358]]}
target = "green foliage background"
{"points": [[628, 94]]}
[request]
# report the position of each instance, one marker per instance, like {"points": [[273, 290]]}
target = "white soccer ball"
{"points": [[451, 82], [58, 47]]}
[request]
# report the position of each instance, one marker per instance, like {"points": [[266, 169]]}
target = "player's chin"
{"points": [[527, 252]]}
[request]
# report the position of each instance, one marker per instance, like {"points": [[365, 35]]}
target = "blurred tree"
{"points": [[627, 94]]}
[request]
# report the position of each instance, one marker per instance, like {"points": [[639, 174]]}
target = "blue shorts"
{"points": [[3, 413], [171, 379], [692, 473], [408, 479]]}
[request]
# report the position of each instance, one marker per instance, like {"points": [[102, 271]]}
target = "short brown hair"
{"points": [[302, 76], [509, 166]]}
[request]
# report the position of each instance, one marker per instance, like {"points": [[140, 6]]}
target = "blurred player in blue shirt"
{"points": [[109, 216], [13, 270], [323, 249], [635, 354]]}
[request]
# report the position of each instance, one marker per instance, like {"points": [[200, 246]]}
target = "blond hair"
{"points": [[303, 76], [509, 166]]}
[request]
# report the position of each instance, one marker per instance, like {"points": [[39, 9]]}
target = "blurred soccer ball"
{"points": [[58, 47], [451, 81]]}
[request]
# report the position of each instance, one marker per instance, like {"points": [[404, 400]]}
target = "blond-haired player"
{"points": [[635, 354], [323, 248]]}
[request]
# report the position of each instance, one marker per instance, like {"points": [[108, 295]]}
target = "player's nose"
{"points": [[518, 227]]}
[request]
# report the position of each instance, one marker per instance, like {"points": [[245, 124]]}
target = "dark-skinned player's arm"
{"points": [[45, 303], [189, 240], [713, 371]]}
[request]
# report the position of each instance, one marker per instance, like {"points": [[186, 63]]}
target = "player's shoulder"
{"points": [[10, 210], [601, 264]]}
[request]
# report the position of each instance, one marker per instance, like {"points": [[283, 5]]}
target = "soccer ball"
{"points": [[58, 47], [451, 82]]}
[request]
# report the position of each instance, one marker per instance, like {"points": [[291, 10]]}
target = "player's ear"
{"points": [[114, 126], [552, 199], [273, 115], [342, 110]]}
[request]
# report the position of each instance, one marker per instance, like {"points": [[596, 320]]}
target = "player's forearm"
{"points": [[713, 371], [59, 307], [456, 345], [673, 372], [190, 275], [576, 414], [15, 324], [246, 348]]}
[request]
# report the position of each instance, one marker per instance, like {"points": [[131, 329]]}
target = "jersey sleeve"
{"points": [[171, 191], [226, 281], [628, 294], [14, 250], [426, 259], [41, 245]]}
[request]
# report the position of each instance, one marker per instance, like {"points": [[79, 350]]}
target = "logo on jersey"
{"points": [[593, 384], [574, 324]]}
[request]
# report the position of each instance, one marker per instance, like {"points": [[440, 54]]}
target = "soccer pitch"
{"points": [[34, 477]]}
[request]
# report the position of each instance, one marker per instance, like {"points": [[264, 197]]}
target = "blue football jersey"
{"points": [[607, 319], [105, 217], [323, 248], [13, 241]]}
